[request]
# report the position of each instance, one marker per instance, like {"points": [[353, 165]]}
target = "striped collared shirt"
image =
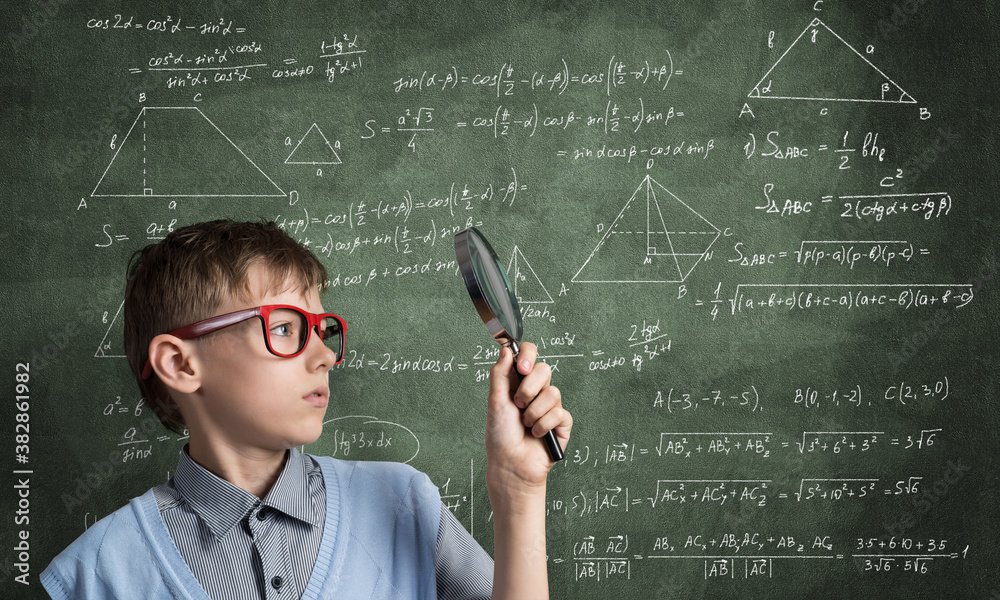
{"points": [[239, 546]]}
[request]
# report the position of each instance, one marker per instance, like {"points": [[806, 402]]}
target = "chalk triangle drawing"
{"points": [[656, 238], [821, 65], [313, 149], [173, 151], [112, 344], [528, 288]]}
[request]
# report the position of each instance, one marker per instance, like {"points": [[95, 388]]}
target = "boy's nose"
{"points": [[323, 355]]}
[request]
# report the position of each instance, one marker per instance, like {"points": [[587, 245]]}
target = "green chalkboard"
{"points": [[757, 240]]}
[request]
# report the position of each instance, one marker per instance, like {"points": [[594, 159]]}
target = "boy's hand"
{"points": [[522, 406]]}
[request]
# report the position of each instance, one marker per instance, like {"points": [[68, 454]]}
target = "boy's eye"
{"points": [[286, 330], [282, 329]]}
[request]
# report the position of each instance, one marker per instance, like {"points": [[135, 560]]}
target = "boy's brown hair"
{"points": [[185, 277]]}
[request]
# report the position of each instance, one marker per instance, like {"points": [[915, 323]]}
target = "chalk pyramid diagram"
{"points": [[313, 149], [112, 344], [528, 288], [656, 238], [178, 151], [821, 65]]}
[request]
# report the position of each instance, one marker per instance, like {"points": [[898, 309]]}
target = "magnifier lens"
{"points": [[494, 299], [495, 286]]}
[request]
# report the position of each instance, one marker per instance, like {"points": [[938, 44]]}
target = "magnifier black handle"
{"points": [[551, 443]]}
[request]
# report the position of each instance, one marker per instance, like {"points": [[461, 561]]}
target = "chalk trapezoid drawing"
{"points": [[313, 149], [111, 345], [821, 65], [528, 288], [177, 151], [656, 238]]}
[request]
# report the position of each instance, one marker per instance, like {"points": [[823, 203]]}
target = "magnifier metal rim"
{"points": [[481, 301], [475, 287]]}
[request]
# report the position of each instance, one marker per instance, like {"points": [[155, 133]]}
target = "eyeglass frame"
{"points": [[218, 322]]}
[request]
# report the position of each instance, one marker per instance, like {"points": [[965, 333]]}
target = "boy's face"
{"points": [[252, 399]]}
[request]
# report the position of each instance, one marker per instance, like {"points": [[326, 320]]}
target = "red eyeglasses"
{"points": [[286, 330]]}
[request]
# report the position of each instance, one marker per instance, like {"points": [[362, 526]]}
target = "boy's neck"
{"points": [[255, 472]]}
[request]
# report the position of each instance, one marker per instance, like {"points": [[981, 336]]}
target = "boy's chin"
{"points": [[310, 435]]}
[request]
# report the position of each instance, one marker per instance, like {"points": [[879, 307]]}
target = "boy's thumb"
{"points": [[500, 374]]}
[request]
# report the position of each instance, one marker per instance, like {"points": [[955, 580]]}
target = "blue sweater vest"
{"points": [[379, 541]]}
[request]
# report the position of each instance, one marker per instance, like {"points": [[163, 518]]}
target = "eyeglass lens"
{"points": [[288, 332]]}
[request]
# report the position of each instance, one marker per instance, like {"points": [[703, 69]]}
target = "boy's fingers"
{"points": [[533, 384], [556, 419], [526, 356], [547, 400], [500, 375]]}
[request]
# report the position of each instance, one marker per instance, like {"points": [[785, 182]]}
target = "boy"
{"points": [[227, 337]]}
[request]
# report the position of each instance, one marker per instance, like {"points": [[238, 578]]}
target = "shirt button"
{"points": [[276, 582], [262, 514]]}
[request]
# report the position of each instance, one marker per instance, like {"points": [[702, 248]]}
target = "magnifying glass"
{"points": [[494, 300]]}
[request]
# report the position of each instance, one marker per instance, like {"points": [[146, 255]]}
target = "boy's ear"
{"points": [[175, 363]]}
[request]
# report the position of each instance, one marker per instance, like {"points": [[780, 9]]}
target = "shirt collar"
{"points": [[222, 505]]}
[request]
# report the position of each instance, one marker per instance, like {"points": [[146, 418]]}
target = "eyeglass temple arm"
{"points": [[205, 326], [214, 323]]}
